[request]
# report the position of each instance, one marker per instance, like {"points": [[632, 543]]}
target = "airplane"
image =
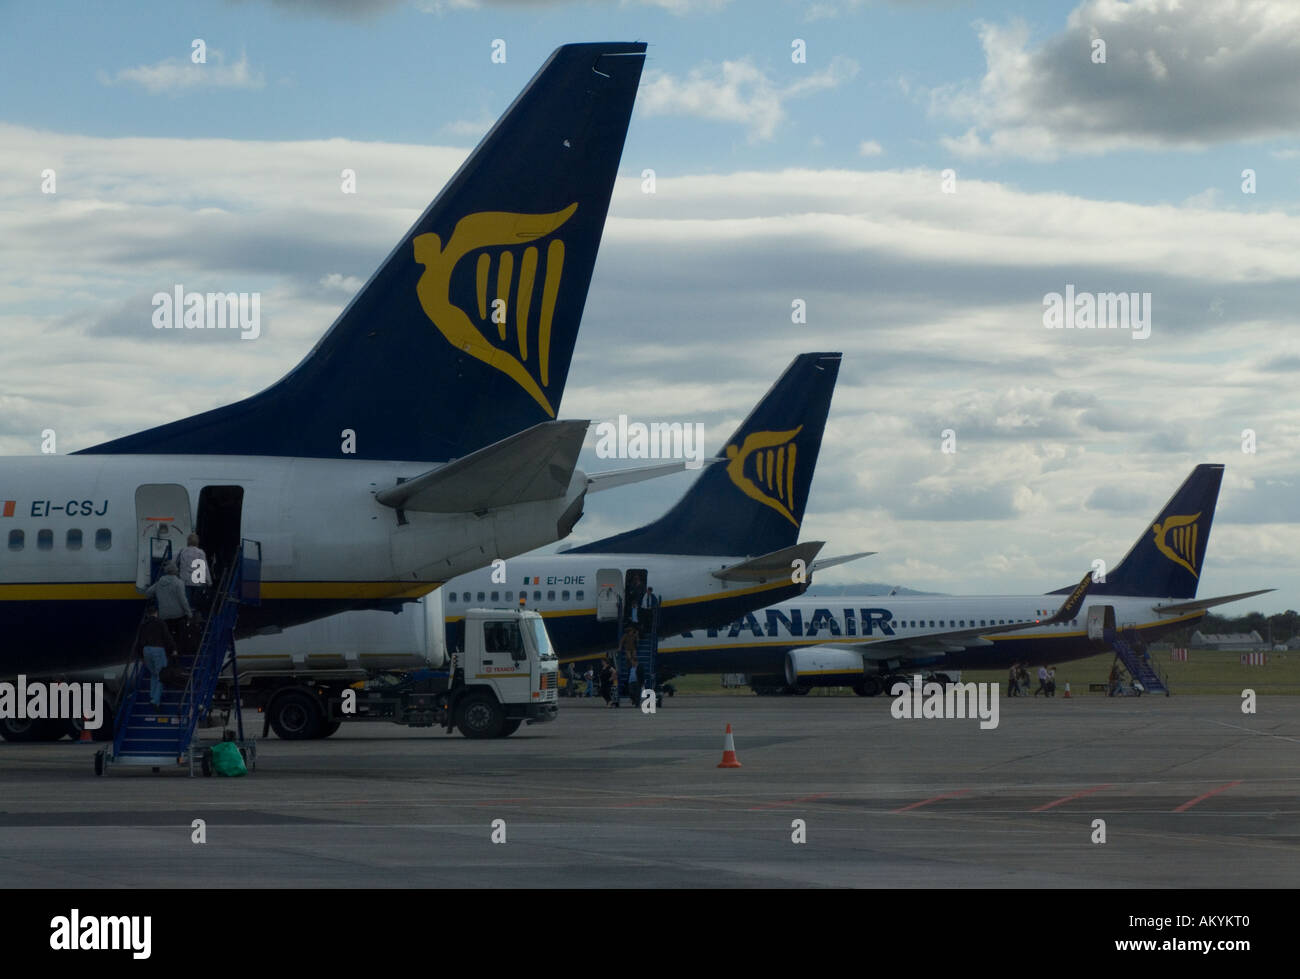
{"points": [[868, 642], [417, 440], [727, 547]]}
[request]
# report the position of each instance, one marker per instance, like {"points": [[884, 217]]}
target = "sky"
{"points": [[922, 179]]}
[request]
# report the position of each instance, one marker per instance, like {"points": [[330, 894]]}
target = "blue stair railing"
{"points": [[145, 735]]}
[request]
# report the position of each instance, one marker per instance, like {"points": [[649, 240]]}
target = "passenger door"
{"points": [[162, 523], [609, 585]]}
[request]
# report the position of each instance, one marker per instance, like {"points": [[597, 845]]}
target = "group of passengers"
{"points": [[1018, 681]]}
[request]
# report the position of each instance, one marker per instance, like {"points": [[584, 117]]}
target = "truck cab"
{"points": [[506, 675]]}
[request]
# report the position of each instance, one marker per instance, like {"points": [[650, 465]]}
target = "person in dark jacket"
{"points": [[155, 645], [608, 680]]}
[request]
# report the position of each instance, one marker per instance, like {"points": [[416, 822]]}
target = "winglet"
{"points": [[1070, 607]]}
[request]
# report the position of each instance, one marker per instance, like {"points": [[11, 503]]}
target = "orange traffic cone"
{"points": [[1067, 691], [85, 732], [729, 752]]}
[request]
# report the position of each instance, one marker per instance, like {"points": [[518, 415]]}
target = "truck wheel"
{"points": [[510, 727], [480, 716], [295, 716], [328, 727]]}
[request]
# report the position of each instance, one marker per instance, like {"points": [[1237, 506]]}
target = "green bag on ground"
{"points": [[226, 759]]}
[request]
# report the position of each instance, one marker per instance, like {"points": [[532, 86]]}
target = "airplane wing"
{"points": [[774, 564], [596, 482], [955, 640], [830, 562], [1199, 604], [535, 464]]}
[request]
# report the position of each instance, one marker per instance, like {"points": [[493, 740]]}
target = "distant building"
{"points": [[1232, 642]]}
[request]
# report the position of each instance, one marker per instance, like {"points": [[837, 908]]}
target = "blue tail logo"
{"points": [[1176, 540], [773, 472], [490, 233]]}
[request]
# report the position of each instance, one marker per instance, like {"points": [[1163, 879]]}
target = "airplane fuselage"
{"points": [[75, 542], [567, 590], [757, 643]]}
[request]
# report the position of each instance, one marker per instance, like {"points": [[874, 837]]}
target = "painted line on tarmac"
{"points": [[937, 798], [1266, 734], [789, 802], [1201, 798], [1069, 798]]}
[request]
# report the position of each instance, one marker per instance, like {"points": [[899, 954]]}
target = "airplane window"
{"points": [[45, 540], [482, 596], [451, 596], [982, 622], [16, 540], [550, 596], [932, 623], [74, 540], [537, 596], [464, 596], [510, 596], [962, 623], [103, 539], [564, 595], [578, 594]]}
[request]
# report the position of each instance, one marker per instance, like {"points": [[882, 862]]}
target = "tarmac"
{"points": [[1192, 792]]}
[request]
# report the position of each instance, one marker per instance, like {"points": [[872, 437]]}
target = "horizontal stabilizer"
{"points": [[596, 482], [822, 564], [1200, 604], [772, 565], [536, 464]]}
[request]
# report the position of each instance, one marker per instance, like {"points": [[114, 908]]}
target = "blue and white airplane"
{"points": [[416, 441], [863, 642], [730, 544]]}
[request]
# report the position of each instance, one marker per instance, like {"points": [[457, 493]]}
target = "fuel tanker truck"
{"points": [[395, 667]]}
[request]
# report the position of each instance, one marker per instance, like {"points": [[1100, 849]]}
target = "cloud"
{"points": [[343, 283], [869, 147], [737, 92], [935, 300], [468, 128], [1176, 75], [174, 75]]}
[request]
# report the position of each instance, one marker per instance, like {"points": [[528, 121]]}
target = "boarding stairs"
{"points": [[647, 651], [1129, 649], [147, 736]]}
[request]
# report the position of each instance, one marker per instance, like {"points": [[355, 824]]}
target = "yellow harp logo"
{"points": [[1176, 540], [772, 479], [496, 235]]}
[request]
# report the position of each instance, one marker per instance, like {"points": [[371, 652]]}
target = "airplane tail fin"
{"points": [[751, 501], [464, 334], [1166, 560]]}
